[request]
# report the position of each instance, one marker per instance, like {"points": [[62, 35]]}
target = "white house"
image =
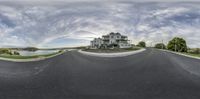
{"points": [[96, 43], [111, 40]]}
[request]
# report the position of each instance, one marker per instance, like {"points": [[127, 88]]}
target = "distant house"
{"points": [[111, 40]]}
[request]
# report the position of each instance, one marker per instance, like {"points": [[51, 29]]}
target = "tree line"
{"points": [[176, 44]]}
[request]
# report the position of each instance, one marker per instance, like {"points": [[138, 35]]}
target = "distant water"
{"points": [[38, 52]]}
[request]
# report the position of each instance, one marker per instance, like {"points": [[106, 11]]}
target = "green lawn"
{"points": [[28, 57], [115, 50]]}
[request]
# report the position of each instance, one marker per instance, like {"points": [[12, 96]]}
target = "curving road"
{"points": [[152, 74]]}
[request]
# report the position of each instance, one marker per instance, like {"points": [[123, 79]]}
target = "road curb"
{"points": [[181, 54], [121, 54]]}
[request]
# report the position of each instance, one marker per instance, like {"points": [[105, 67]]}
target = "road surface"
{"points": [[152, 74]]}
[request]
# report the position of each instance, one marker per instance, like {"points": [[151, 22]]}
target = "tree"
{"points": [[160, 46], [177, 44], [141, 44]]}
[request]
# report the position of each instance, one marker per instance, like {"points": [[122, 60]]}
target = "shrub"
{"points": [[16, 53], [194, 51]]}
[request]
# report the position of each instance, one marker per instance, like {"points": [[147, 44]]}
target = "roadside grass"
{"points": [[115, 50], [195, 55], [186, 53], [29, 57]]}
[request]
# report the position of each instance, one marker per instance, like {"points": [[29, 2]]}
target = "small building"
{"points": [[111, 40]]}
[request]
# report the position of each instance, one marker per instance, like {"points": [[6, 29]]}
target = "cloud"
{"points": [[76, 23]]}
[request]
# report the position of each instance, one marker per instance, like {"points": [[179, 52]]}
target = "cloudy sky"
{"points": [[67, 23]]}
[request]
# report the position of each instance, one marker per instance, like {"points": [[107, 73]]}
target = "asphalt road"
{"points": [[152, 74]]}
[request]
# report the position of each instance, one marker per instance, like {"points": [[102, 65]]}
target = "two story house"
{"points": [[111, 40]]}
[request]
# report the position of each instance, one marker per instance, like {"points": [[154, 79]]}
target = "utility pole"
{"points": [[162, 44], [175, 45]]}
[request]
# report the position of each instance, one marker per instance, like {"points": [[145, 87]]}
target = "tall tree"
{"points": [[141, 44], [177, 44], [160, 46]]}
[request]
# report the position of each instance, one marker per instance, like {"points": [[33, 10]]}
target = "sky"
{"points": [[52, 24]]}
